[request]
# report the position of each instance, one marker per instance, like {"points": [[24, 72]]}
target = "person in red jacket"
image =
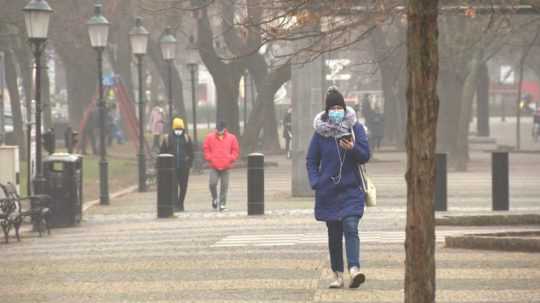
{"points": [[220, 150]]}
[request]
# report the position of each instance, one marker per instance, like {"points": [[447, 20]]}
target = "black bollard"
{"points": [[255, 184], [165, 178], [499, 180], [440, 183]]}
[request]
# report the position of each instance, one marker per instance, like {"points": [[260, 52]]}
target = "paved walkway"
{"points": [[122, 253]]}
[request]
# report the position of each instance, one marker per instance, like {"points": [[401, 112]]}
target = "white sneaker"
{"points": [[357, 277], [338, 280]]}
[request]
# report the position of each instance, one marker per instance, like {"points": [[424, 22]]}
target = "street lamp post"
{"points": [[37, 14], [168, 51], [139, 41], [98, 30], [193, 64]]}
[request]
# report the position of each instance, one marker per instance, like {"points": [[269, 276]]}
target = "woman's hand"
{"points": [[346, 144]]}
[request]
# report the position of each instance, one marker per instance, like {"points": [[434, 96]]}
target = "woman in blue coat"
{"points": [[338, 146]]}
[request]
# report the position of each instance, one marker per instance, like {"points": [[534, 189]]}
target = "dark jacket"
{"points": [[182, 149], [337, 201], [377, 125], [287, 126]]}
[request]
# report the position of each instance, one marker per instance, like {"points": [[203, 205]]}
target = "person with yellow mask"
{"points": [[179, 145], [221, 150]]}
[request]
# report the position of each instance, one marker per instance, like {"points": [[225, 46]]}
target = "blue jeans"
{"points": [[348, 226]]}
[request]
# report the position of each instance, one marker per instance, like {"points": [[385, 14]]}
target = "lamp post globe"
{"points": [[98, 30], [167, 44], [37, 14], [138, 38]]}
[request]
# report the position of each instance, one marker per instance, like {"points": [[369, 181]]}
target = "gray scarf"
{"points": [[329, 129]]}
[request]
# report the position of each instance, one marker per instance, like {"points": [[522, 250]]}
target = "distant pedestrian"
{"points": [[89, 131], [109, 123], [367, 111], [221, 150], [156, 124], [536, 125], [376, 132], [287, 131], [117, 133], [337, 147], [179, 145]]}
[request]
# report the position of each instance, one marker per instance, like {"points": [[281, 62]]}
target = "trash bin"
{"points": [[63, 173]]}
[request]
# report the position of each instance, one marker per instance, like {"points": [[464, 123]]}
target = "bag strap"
{"points": [[361, 169]]}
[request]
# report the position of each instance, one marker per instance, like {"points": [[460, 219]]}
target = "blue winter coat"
{"points": [[336, 201]]}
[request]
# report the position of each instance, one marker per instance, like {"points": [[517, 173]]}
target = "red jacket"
{"points": [[221, 152]]}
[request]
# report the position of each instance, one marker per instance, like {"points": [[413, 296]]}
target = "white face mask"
{"points": [[178, 132]]}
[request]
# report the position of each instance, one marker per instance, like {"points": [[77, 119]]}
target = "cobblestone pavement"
{"points": [[122, 253]]}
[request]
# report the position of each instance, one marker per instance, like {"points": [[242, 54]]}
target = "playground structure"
{"points": [[114, 85]]}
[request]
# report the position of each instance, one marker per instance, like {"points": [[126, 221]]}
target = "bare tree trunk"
{"points": [[82, 87], [25, 65], [227, 91], [422, 100], [391, 70], [469, 89], [14, 97], [263, 115], [449, 109], [46, 97], [482, 102]]}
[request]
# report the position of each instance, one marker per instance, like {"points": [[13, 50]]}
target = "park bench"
{"points": [[36, 207], [8, 214]]}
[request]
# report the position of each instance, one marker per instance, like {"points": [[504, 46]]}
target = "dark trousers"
{"points": [[88, 135], [182, 178], [347, 227]]}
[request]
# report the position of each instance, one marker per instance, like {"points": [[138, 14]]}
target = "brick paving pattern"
{"points": [[122, 253]]}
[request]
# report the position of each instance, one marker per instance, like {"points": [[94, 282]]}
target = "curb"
{"points": [[524, 219], [117, 194], [512, 241]]}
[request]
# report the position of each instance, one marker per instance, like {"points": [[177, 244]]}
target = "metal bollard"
{"points": [[440, 183], [499, 180], [165, 179], [255, 184]]}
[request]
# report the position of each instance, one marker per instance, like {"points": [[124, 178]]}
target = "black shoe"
{"points": [[214, 204]]}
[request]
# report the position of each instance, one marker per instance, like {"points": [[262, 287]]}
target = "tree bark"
{"points": [[449, 109], [263, 115], [227, 92], [422, 113], [482, 102], [226, 75], [393, 86], [46, 94], [81, 81], [469, 89], [14, 97]]}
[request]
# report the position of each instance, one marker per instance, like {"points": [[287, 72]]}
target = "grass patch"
{"points": [[122, 171]]}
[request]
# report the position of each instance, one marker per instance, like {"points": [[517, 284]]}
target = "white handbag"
{"points": [[370, 192]]}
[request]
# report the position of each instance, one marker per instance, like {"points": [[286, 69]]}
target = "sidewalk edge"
{"points": [[117, 194]]}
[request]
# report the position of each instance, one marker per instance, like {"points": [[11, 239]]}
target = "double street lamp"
{"points": [[98, 30], [138, 38], [168, 51], [37, 14]]}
